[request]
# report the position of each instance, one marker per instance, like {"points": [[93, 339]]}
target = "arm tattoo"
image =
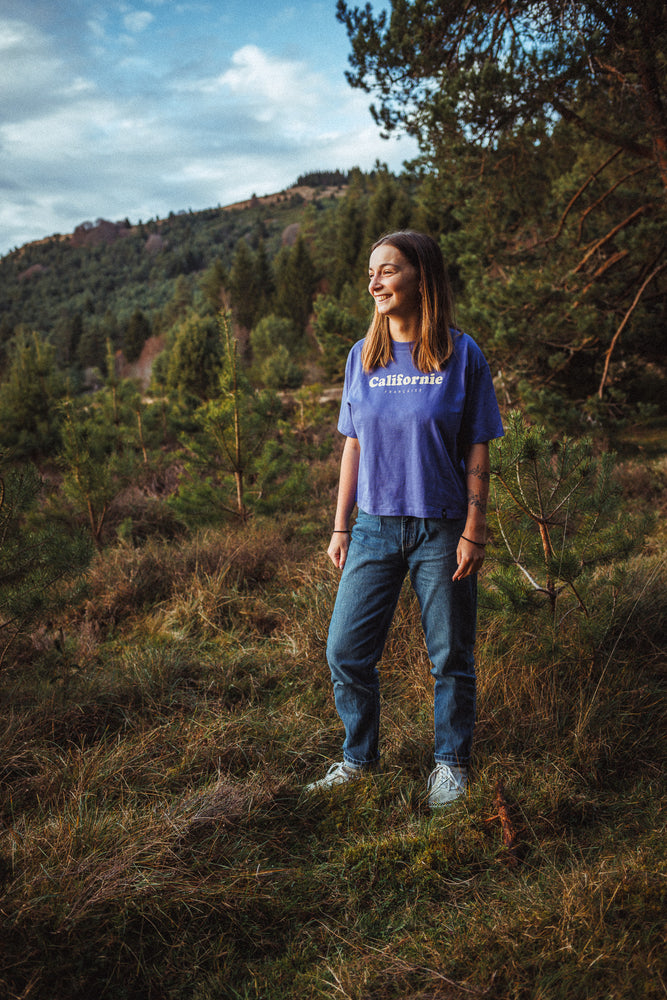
{"points": [[479, 473], [478, 492]]}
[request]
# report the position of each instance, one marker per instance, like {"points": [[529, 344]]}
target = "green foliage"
{"points": [[229, 433], [195, 358], [336, 329], [272, 332], [29, 398], [137, 332], [213, 283], [280, 371], [542, 149], [295, 278], [243, 286], [99, 456], [40, 564], [556, 517]]}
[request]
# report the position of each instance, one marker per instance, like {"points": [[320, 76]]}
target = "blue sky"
{"points": [[113, 109]]}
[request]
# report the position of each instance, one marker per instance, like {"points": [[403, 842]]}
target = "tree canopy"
{"points": [[543, 137]]}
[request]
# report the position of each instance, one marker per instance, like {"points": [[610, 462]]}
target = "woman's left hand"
{"points": [[469, 558]]}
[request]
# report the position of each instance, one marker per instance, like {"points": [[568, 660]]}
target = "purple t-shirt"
{"points": [[415, 429]]}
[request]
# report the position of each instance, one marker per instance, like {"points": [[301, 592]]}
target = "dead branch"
{"points": [[614, 339], [609, 191], [579, 193], [507, 826], [609, 236]]}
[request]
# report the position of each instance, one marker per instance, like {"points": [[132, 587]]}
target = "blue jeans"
{"points": [[382, 550]]}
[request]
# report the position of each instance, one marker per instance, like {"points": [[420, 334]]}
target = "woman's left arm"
{"points": [[470, 551]]}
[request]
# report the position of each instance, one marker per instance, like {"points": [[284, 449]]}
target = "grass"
{"points": [[156, 842]]}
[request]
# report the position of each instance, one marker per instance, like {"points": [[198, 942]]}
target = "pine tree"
{"points": [[230, 432], [193, 365], [556, 518], [295, 283], [39, 564], [137, 332], [29, 398]]}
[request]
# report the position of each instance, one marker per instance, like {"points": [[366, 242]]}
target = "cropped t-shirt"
{"points": [[415, 429]]}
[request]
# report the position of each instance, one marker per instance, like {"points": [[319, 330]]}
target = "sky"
{"points": [[134, 109]]}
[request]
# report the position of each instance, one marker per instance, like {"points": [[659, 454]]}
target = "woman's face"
{"points": [[394, 283]]}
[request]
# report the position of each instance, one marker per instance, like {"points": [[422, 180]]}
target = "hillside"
{"points": [[115, 267]]}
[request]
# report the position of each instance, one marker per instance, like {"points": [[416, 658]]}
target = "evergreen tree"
{"points": [[99, 456], [212, 284], [533, 123], [336, 329], [244, 286], [137, 332], [29, 398], [194, 362], [39, 563], [556, 517], [295, 283], [230, 433], [270, 333], [389, 209]]}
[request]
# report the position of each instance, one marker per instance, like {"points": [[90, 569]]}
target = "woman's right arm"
{"points": [[347, 491]]}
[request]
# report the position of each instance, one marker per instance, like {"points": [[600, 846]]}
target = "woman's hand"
{"points": [[338, 546], [469, 558]]}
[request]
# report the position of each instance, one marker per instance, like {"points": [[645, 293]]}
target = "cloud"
{"points": [[103, 135], [138, 20], [30, 72]]}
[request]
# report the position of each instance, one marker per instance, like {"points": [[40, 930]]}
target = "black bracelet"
{"points": [[341, 531], [480, 545]]}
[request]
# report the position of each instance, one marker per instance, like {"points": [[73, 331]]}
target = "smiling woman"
{"points": [[418, 411]]}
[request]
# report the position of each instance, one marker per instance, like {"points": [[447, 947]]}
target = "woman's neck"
{"points": [[404, 330]]}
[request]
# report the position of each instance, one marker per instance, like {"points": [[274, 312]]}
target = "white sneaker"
{"points": [[338, 774], [445, 784]]}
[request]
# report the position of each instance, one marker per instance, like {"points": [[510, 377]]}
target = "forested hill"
{"points": [[555, 249], [82, 288]]}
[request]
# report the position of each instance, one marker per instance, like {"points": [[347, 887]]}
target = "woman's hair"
{"points": [[434, 343]]}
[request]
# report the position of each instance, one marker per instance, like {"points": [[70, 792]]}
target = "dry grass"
{"points": [[156, 842]]}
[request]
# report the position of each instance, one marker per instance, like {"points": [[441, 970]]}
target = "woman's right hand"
{"points": [[338, 546]]}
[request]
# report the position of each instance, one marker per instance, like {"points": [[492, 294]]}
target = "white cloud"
{"points": [[81, 145], [138, 20], [269, 89]]}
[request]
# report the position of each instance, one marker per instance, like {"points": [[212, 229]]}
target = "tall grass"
{"points": [[156, 841]]}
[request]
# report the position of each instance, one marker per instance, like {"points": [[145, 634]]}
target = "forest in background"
{"points": [[168, 467]]}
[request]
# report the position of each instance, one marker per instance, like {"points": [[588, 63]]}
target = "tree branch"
{"points": [[614, 339], [610, 235], [645, 152]]}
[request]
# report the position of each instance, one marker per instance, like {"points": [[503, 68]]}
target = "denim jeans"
{"points": [[382, 550]]}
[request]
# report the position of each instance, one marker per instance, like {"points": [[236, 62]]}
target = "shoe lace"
{"points": [[442, 775]]}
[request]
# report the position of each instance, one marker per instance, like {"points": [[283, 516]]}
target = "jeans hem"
{"points": [[365, 765], [451, 759]]}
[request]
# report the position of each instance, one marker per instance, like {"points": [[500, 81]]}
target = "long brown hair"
{"points": [[434, 344]]}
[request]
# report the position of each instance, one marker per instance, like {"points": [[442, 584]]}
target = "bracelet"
{"points": [[480, 545], [341, 531]]}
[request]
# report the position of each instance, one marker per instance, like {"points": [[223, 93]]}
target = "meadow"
{"points": [[156, 841]]}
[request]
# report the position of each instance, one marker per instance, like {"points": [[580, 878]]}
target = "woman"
{"points": [[418, 411]]}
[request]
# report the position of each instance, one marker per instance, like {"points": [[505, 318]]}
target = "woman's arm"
{"points": [[347, 491], [478, 474]]}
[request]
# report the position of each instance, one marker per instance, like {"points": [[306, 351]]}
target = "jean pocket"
{"points": [[367, 524]]}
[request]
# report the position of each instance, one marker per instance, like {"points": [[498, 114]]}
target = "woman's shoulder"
{"points": [[354, 355], [466, 348]]}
